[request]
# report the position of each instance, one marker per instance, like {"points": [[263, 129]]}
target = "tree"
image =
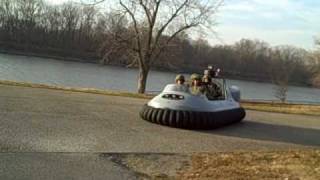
{"points": [[151, 20], [252, 54], [315, 65], [117, 38], [284, 61], [71, 17]]}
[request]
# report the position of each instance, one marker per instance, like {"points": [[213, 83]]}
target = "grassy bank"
{"points": [[250, 105], [82, 90], [291, 108]]}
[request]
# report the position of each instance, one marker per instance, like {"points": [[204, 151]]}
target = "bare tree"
{"points": [[151, 20], [87, 23], [116, 39], [71, 17], [281, 90], [315, 65], [29, 14], [284, 61], [316, 80]]}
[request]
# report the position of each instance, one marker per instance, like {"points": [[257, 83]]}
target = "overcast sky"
{"points": [[278, 22]]}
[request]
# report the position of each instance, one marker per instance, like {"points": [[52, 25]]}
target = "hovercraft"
{"points": [[179, 108]]}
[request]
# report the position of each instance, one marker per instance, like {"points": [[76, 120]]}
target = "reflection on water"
{"points": [[74, 74]]}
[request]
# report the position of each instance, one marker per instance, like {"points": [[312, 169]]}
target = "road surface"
{"points": [[42, 128]]}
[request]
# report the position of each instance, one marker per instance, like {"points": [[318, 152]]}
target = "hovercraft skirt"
{"points": [[192, 119]]}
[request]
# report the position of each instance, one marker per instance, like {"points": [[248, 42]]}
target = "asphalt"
{"points": [[69, 131], [65, 166]]}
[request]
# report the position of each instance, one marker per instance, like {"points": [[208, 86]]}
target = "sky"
{"points": [[278, 22]]}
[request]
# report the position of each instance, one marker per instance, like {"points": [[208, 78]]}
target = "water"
{"points": [[74, 74]]}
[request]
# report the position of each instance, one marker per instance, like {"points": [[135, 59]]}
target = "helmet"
{"points": [[207, 76], [195, 77], [209, 72], [180, 77]]}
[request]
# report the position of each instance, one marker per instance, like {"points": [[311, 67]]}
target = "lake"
{"points": [[84, 75]]}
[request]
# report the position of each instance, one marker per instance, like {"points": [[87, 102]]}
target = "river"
{"points": [[84, 75]]}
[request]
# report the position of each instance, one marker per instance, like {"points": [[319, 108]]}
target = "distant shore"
{"points": [[61, 58], [290, 108]]}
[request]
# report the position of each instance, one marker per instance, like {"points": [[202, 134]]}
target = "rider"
{"points": [[180, 80], [196, 84], [211, 89]]}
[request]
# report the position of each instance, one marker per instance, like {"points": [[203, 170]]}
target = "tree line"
{"points": [[97, 35]]}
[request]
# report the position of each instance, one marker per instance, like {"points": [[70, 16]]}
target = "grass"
{"points": [[250, 105], [292, 164], [282, 107], [82, 90]]}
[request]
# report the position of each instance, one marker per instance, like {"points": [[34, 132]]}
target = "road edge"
{"points": [[287, 108]]}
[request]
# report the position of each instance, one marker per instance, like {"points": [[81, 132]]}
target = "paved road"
{"points": [[64, 166], [41, 120], [49, 134]]}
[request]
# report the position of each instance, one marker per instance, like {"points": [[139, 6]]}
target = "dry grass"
{"points": [[83, 90], [282, 108], [254, 165]]}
